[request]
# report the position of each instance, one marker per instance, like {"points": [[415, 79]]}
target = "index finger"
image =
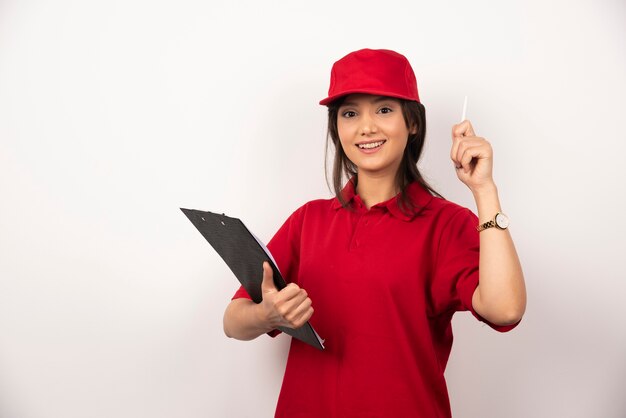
{"points": [[291, 290]]}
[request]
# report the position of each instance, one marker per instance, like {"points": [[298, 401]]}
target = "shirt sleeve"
{"points": [[456, 267], [285, 248]]}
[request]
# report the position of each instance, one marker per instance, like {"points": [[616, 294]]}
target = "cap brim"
{"points": [[334, 97]]}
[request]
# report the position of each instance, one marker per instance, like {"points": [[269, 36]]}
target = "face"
{"points": [[373, 133]]}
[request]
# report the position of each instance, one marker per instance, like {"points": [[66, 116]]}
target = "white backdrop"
{"points": [[113, 114]]}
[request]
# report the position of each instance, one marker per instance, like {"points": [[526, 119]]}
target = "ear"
{"points": [[413, 129]]}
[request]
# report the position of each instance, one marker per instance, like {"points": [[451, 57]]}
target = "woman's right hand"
{"points": [[289, 307]]}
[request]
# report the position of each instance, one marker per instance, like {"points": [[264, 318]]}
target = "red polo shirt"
{"points": [[384, 286]]}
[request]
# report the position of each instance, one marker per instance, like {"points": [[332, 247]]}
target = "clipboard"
{"points": [[244, 254]]}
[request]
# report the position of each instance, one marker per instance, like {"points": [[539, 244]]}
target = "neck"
{"points": [[376, 189]]}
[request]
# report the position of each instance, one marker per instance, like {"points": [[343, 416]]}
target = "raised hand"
{"points": [[472, 157]]}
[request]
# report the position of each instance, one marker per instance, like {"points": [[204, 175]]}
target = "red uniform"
{"points": [[384, 286]]}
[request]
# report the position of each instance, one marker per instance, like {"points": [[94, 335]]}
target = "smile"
{"points": [[371, 145]]}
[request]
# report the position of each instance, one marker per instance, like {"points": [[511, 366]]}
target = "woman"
{"points": [[387, 262]]}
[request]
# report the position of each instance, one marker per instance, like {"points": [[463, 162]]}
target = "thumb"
{"points": [[268, 286]]}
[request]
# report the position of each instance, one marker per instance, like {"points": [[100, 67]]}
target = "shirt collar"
{"points": [[418, 194]]}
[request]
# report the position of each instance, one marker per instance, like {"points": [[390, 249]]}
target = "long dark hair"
{"points": [[414, 116]]}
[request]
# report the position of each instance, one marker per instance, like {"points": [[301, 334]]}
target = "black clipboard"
{"points": [[244, 254]]}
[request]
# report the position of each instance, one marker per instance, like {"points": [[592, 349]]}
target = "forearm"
{"points": [[243, 320], [501, 295]]}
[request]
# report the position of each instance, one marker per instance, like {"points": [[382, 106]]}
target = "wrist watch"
{"points": [[500, 221]]}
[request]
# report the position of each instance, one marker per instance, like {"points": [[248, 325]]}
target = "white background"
{"points": [[113, 114]]}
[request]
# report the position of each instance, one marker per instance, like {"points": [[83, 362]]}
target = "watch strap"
{"points": [[486, 225]]}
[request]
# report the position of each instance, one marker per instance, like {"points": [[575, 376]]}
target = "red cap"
{"points": [[372, 71]]}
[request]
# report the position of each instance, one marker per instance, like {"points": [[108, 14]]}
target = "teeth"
{"points": [[371, 145]]}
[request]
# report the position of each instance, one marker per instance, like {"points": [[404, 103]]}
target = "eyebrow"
{"points": [[376, 100]]}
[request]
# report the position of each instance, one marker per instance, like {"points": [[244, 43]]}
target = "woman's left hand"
{"points": [[472, 157]]}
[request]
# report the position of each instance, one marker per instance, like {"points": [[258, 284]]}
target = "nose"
{"points": [[368, 125]]}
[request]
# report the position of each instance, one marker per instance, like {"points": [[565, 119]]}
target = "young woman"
{"points": [[387, 261]]}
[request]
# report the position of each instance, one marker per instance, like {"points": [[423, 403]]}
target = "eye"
{"points": [[349, 114], [385, 110]]}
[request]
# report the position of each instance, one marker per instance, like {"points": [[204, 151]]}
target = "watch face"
{"points": [[502, 221]]}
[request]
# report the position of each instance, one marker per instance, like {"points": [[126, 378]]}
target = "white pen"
{"points": [[464, 109]]}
